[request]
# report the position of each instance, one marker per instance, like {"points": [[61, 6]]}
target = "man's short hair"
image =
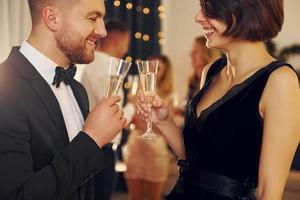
{"points": [[36, 6], [113, 25], [252, 20]]}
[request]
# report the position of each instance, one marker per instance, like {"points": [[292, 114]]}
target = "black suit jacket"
{"points": [[37, 161]]}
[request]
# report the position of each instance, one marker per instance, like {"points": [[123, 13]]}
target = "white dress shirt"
{"points": [[95, 78], [69, 107]]}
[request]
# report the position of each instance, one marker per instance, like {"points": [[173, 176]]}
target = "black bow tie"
{"points": [[65, 75]]}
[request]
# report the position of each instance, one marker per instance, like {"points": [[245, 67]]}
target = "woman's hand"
{"points": [[161, 117], [161, 110]]}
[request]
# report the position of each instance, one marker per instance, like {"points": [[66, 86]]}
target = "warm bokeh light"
{"points": [[162, 41], [127, 85], [161, 15], [117, 3], [129, 6], [137, 35], [128, 59], [161, 8], [146, 11], [132, 126], [146, 37]]}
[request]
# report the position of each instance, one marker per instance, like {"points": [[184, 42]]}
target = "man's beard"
{"points": [[72, 47]]}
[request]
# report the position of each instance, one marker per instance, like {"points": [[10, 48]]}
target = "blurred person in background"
{"points": [[94, 79], [148, 161], [200, 57]]}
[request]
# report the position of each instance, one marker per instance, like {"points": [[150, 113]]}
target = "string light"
{"points": [[146, 37], [162, 41], [146, 11], [161, 8], [128, 58], [142, 34], [127, 85], [117, 3], [137, 35], [161, 15], [129, 6]]}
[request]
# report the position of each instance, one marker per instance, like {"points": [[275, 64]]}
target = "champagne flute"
{"points": [[148, 73], [134, 79], [118, 69]]}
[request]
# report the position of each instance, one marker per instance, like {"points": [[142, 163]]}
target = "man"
{"points": [[94, 78], [47, 151]]}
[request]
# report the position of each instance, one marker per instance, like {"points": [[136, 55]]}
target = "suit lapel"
{"points": [[43, 90], [49, 100], [81, 97]]}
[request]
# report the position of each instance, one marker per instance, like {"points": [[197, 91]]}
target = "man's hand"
{"points": [[105, 121]]}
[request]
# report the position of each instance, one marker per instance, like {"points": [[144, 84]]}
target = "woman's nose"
{"points": [[200, 17]]}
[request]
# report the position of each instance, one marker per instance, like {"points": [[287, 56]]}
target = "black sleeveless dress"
{"points": [[223, 144]]}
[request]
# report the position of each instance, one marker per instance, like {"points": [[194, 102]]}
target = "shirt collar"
{"points": [[44, 65]]}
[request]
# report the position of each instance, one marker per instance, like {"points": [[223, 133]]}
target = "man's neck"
{"points": [[46, 44]]}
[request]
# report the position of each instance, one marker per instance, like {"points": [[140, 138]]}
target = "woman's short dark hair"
{"points": [[253, 20]]}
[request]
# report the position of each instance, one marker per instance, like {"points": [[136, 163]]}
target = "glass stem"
{"points": [[149, 121]]}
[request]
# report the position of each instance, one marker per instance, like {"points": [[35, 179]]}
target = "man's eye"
{"points": [[93, 19]]}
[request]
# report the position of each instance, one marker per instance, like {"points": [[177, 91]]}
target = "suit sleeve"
{"points": [[69, 169]]}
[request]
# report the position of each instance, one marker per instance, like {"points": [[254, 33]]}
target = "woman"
{"points": [[148, 161], [242, 128]]}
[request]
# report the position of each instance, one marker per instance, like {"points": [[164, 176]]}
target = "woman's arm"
{"points": [[173, 135], [171, 131], [280, 109]]}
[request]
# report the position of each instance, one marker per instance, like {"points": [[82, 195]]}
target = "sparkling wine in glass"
{"points": [[148, 74], [134, 80], [148, 84], [114, 83], [118, 69]]}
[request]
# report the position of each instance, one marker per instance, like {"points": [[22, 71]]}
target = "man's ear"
{"points": [[50, 18]]}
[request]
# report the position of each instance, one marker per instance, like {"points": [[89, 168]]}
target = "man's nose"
{"points": [[100, 29]]}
